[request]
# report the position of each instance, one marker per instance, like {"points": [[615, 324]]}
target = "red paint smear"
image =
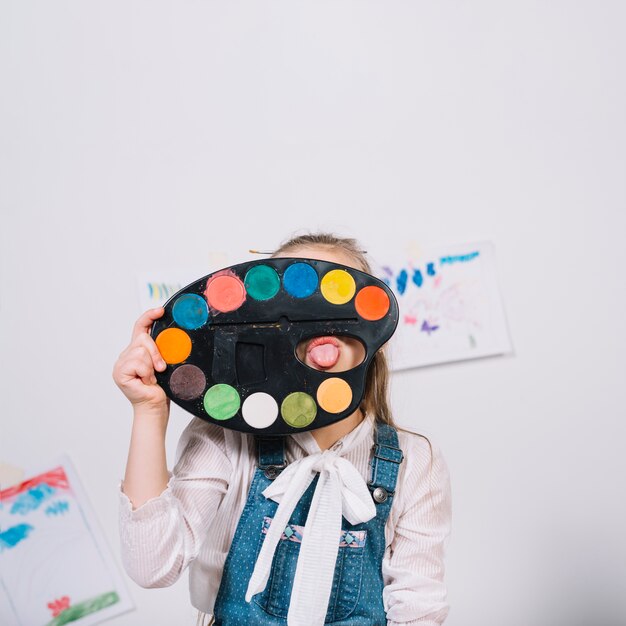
{"points": [[54, 478], [59, 605]]}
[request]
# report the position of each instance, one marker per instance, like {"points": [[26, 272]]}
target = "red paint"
{"points": [[54, 478], [59, 605]]}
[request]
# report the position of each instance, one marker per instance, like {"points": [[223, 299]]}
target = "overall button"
{"points": [[271, 471], [380, 494]]}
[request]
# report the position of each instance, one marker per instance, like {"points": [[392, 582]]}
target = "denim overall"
{"points": [[356, 595]]}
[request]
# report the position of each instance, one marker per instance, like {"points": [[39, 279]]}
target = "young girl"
{"points": [[213, 512]]}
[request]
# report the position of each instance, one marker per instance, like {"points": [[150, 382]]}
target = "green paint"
{"points": [[298, 409], [221, 401], [78, 611], [262, 282]]}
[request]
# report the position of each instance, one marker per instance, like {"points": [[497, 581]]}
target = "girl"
{"points": [[213, 512]]}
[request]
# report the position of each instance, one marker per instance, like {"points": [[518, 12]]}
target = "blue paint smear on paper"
{"points": [[430, 269], [418, 279], [58, 508], [401, 281], [459, 258], [12, 536], [32, 499]]}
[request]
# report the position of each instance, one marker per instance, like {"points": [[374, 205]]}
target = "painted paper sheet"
{"points": [[55, 565], [450, 305]]}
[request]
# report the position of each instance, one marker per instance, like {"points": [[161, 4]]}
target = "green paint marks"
{"points": [[262, 282], [221, 401], [298, 409], [78, 611]]}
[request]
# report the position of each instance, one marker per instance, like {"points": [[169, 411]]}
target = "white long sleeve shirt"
{"points": [[193, 521]]}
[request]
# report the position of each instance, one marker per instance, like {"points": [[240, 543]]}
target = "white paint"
{"points": [[259, 410]]}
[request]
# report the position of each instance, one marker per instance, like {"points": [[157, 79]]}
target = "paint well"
{"points": [[262, 282], [190, 311], [187, 382], [221, 401], [225, 293], [338, 286], [298, 409], [372, 303], [174, 345], [334, 395], [259, 410], [300, 280]]}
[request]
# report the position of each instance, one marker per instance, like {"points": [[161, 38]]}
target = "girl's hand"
{"points": [[133, 371]]}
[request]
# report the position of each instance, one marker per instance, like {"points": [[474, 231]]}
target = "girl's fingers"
{"points": [[148, 343], [143, 324], [137, 363]]}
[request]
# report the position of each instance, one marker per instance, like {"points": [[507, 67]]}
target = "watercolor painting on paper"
{"points": [[450, 305], [56, 567]]}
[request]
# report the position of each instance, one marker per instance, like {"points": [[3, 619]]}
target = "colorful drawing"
{"points": [[56, 567], [450, 306], [157, 286]]}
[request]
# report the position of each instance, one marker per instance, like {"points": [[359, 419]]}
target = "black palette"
{"points": [[230, 342]]}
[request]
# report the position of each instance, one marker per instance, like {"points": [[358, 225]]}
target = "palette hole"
{"points": [[332, 353]]}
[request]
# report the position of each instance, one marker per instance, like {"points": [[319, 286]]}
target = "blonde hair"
{"points": [[376, 399]]}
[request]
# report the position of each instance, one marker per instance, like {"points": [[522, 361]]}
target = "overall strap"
{"points": [[385, 463], [271, 455]]}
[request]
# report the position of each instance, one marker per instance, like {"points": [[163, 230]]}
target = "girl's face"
{"points": [[328, 353]]}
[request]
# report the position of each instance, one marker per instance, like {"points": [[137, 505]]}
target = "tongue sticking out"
{"points": [[324, 355]]}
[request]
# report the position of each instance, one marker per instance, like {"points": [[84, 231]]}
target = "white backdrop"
{"points": [[136, 135]]}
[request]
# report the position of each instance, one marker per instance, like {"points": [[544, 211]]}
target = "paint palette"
{"points": [[229, 340]]}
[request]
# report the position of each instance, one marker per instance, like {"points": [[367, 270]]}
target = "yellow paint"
{"points": [[338, 286]]}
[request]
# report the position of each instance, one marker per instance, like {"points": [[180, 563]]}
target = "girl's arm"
{"points": [[163, 516], [415, 593], [146, 468], [162, 536]]}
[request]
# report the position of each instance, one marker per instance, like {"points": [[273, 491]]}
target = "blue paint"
{"points": [[459, 258], [10, 537], [430, 269], [401, 281], [418, 279], [190, 311], [387, 282], [300, 280], [32, 499], [58, 508]]}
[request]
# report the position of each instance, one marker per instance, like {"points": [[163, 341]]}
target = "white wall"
{"points": [[139, 135]]}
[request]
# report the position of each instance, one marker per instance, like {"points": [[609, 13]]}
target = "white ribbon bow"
{"points": [[340, 490]]}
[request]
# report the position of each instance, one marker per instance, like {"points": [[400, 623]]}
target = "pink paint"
{"points": [[410, 319]]}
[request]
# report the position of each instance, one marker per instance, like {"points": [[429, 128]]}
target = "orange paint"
{"points": [[225, 293], [334, 395], [174, 345], [372, 303]]}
